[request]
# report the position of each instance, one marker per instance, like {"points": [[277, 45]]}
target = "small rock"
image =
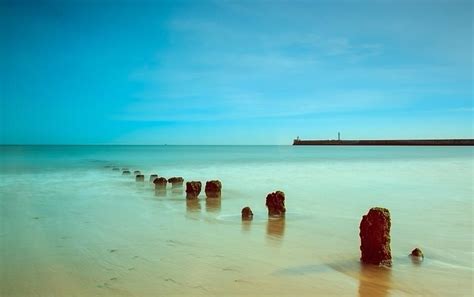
{"points": [[213, 189], [140, 178], [275, 203], [417, 253], [247, 213], [193, 188]]}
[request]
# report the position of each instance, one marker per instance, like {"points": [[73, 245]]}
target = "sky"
{"points": [[234, 72]]}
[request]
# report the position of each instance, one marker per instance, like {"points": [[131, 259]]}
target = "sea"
{"points": [[72, 226]]}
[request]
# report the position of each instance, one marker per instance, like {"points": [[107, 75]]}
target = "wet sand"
{"points": [[91, 232]]}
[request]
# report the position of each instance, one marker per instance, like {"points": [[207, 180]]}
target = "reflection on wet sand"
{"points": [[193, 205], [416, 260], [246, 225], [374, 281], [160, 193], [213, 204], [177, 190], [275, 228]]}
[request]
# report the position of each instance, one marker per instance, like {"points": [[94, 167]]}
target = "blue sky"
{"points": [[234, 72]]}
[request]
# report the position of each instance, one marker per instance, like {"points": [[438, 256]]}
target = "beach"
{"points": [[71, 226]]}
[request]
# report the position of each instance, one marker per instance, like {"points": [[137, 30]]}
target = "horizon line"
{"points": [[115, 144], [289, 144]]}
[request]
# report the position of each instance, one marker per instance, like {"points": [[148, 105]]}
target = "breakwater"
{"points": [[397, 142]]}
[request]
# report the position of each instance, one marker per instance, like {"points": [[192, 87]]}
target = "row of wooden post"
{"points": [[374, 226]]}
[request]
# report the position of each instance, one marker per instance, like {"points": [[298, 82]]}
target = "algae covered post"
{"points": [[375, 237], [275, 203], [193, 188]]}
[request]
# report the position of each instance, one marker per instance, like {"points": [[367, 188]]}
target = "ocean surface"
{"points": [[69, 226]]}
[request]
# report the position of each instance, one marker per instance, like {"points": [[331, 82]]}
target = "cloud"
{"points": [[237, 106], [267, 66], [211, 34]]}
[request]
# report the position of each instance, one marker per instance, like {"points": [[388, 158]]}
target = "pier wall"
{"points": [[399, 142]]}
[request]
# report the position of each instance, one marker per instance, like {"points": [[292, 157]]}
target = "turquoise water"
{"points": [[71, 227]]}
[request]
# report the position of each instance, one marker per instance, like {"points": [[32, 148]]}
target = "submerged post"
{"points": [[375, 237], [247, 214], [160, 183], [176, 181]]}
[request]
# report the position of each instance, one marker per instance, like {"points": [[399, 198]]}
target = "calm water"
{"points": [[70, 227]]}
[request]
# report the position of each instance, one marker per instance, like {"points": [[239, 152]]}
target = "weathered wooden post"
{"points": [[375, 237], [153, 176], [160, 183], [176, 181], [193, 188], [213, 189], [275, 203]]}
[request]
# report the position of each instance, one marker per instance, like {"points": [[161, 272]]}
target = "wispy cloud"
{"points": [[224, 70], [211, 33], [235, 106]]}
